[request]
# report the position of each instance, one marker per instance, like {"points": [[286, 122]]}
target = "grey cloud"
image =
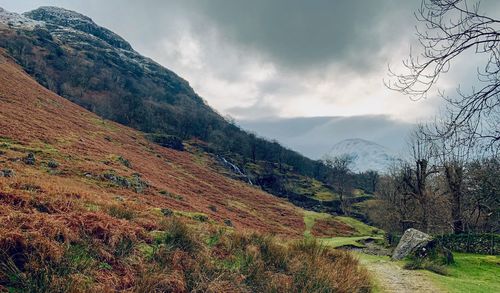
{"points": [[315, 33], [315, 136], [259, 110], [293, 33]]}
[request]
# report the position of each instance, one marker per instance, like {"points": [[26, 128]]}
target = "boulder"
{"points": [[29, 159], [411, 241]]}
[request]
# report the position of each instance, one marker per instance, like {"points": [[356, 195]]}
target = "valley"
{"points": [[116, 176]]}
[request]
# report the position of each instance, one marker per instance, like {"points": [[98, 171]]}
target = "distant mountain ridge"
{"points": [[366, 155]]}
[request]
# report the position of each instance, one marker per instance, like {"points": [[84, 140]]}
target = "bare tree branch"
{"points": [[455, 28]]}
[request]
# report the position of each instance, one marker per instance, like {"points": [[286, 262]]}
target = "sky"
{"points": [[290, 61]]}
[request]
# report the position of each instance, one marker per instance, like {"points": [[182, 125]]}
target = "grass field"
{"points": [[362, 231], [361, 228], [309, 220], [471, 273], [345, 241]]}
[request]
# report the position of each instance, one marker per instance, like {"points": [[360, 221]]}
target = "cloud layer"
{"points": [[275, 59], [314, 137]]}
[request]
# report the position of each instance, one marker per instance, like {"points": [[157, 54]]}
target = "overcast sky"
{"points": [[264, 59]]}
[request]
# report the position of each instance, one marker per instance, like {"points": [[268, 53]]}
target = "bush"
{"points": [[121, 212], [425, 264], [179, 236], [433, 257], [168, 141], [486, 243]]}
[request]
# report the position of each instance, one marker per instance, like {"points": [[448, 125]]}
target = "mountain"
{"points": [[74, 57], [103, 159], [366, 155], [90, 205]]}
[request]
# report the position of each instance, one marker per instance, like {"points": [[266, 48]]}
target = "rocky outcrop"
{"points": [[79, 22], [411, 241]]}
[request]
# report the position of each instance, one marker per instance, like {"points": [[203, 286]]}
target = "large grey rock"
{"points": [[411, 241]]}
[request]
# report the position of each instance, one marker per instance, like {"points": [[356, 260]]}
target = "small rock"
{"points": [[7, 173], [29, 159], [411, 241], [119, 198]]}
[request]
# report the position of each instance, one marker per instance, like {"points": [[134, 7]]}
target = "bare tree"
{"points": [[340, 178], [451, 157], [414, 179], [482, 196], [456, 28]]}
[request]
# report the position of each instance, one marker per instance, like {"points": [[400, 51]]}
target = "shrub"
{"points": [[53, 164], [179, 236], [200, 218], [121, 212], [168, 141], [425, 264], [486, 243]]}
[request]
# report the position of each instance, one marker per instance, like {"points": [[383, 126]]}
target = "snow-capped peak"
{"points": [[68, 19], [366, 155], [55, 14], [17, 20]]}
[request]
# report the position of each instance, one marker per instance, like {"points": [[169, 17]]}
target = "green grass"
{"points": [[362, 229], [310, 218], [345, 241], [471, 273], [36, 148], [321, 192]]}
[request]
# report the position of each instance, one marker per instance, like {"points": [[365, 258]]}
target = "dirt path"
{"points": [[391, 277]]}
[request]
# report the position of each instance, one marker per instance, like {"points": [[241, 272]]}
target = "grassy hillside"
{"points": [[338, 231], [85, 65], [89, 205]]}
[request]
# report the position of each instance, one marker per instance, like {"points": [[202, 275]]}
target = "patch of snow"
{"points": [[61, 13], [366, 155], [17, 20]]}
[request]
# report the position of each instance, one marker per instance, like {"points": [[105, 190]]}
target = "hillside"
{"points": [[88, 149], [366, 155], [88, 204], [71, 55]]}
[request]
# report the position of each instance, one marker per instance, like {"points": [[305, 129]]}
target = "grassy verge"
{"points": [[345, 241], [471, 273], [362, 230], [309, 220]]}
